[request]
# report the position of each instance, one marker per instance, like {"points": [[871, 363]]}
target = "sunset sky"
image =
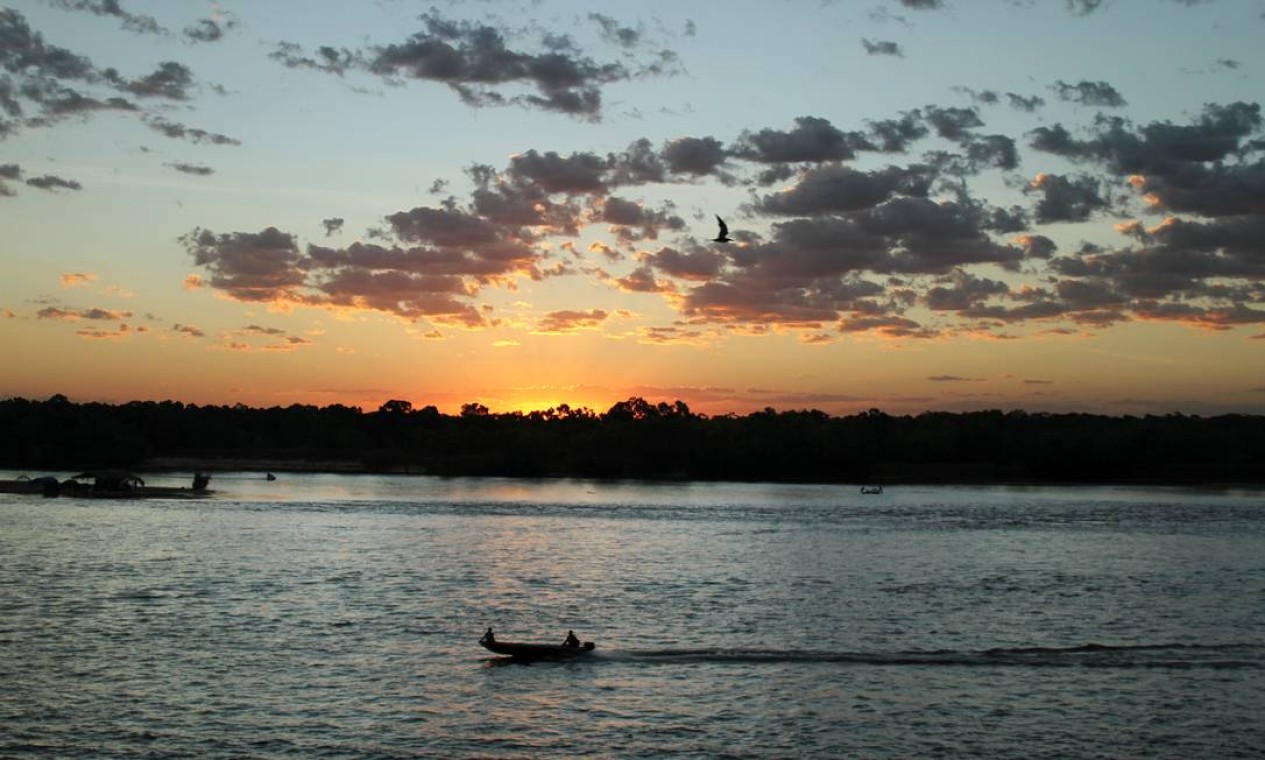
{"points": [[1051, 205]]}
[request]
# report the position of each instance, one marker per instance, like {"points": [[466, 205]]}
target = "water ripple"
{"points": [[338, 617]]}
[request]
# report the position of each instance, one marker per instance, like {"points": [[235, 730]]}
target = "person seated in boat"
{"points": [[488, 638], [571, 640]]}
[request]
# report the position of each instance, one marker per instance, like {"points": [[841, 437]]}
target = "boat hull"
{"points": [[51, 487], [42, 486], [521, 651], [145, 492]]}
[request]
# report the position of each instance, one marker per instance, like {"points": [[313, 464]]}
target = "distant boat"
{"points": [[871, 489]]}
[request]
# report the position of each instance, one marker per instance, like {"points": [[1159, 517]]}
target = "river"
{"points": [[338, 616]]}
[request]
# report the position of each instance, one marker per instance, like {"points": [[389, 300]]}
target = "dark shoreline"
{"points": [[637, 440]]}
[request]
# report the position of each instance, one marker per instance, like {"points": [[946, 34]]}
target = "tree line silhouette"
{"points": [[639, 439]]}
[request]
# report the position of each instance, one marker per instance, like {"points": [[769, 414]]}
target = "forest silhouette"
{"points": [[639, 439]]}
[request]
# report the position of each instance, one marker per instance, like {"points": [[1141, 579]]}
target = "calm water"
{"points": [[337, 616]]}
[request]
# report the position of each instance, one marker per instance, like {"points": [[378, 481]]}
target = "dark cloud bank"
{"points": [[902, 250], [870, 229]]}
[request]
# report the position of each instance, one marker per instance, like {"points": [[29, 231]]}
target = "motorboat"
{"points": [[535, 652], [105, 484]]}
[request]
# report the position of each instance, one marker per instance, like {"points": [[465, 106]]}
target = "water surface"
{"points": [[336, 616]]}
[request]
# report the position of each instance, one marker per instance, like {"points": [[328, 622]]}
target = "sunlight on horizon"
{"points": [[235, 209]]}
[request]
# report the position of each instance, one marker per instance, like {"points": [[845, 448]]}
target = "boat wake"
{"points": [[1174, 656]]}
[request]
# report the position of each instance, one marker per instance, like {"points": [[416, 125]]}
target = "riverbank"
{"points": [[636, 440]]}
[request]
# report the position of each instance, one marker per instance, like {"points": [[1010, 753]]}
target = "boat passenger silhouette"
{"points": [[571, 640], [488, 638]]}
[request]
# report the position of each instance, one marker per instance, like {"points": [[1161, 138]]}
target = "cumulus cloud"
{"points": [[896, 135], [612, 31], [674, 336], [952, 123], [888, 326], [119, 333], [192, 134], [1218, 190], [700, 264], [1218, 318], [694, 155], [1067, 199], [837, 188], [987, 151], [642, 280], [44, 84], [255, 337], [195, 169], [1159, 147], [1203, 271], [898, 250], [568, 321], [45, 77], [1084, 7], [1030, 103], [9, 173], [881, 47], [132, 22], [480, 62], [554, 173], [750, 301], [170, 80], [440, 259], [211, 29], [1087, 93], [71, 279], [74, 315], [262, 266], [1026, 103], [812, 139], [1036, 246], [631, 221], [962, 291], [844, 223], [257, 330], [52, 183]]}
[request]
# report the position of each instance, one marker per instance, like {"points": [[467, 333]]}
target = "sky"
{"points": [[1047, 205]]}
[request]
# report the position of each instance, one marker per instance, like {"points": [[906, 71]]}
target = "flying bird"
{"points": [[723, 237]]}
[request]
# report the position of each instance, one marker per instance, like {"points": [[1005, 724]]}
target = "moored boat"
{"points": [[118, 484], [45, 485]]}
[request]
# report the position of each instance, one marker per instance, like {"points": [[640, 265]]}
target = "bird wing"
{"points": [[724, 229]]}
